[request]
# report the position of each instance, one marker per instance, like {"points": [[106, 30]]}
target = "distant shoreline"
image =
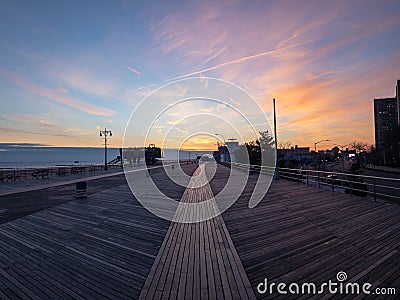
{"points": [[47, 157]]}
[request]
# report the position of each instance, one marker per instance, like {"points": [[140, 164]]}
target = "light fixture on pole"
{"points": [[105, 133], [341, 152], [221, 136], [224, 149], [315, 152]]}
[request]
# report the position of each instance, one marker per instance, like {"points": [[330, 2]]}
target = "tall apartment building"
{"points": [[387, 117]]}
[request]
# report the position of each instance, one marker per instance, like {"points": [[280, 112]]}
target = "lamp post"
{"points": [[341, 151], [105, 133], [221, 136], [276, 143], [315, 152]]}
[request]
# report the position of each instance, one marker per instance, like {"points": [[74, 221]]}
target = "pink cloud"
{"points": [[240, 60], [319, 86], [61, 90], [56, 96]]}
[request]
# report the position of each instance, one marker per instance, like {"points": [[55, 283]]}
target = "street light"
{"points": [[276, 142], [315, 152], [224, 149], [105, 133], [221, 136], [341, 151]]}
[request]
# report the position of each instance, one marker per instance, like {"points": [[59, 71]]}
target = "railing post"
{"points": [[318, 179], [351, 185], [374, 190], [333, 186], [307, 178]]}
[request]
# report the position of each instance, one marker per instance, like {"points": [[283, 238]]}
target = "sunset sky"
{"points": [[69, 68]]}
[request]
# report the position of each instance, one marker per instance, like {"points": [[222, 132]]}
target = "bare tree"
{"points": [[284, 145], [371, 148], [359, 146]]}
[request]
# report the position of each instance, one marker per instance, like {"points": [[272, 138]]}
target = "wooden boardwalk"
{"points": [[197, 260], [102, 247], [304, 234], [18, 199], [111, 247], [99, 248]]}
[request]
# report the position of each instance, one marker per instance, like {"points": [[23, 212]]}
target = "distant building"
{"points": [[226, 153], [296, 154], [217, 156], [231, 146], [386, 117]]}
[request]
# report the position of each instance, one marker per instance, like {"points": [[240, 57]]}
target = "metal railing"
{"points": [[355, 185]]}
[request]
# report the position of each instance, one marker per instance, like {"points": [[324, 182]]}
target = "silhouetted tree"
{"points": [[358, 146], [284, 145], [267, 144], [260, 150]]}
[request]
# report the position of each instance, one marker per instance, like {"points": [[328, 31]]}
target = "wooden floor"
{"points": [[303, 234], [19, 199], [109, 246], [102, 247], [197, 260]]}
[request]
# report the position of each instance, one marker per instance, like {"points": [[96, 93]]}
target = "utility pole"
{"points": [[105, 133], [315, 152], [276, 144], [342, 154], [224, 148]]}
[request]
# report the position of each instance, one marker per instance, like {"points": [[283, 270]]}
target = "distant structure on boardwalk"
{"points": [[226, 152], [387, 119], [135, 155]]}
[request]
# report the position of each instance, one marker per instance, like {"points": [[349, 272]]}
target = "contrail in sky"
{"points": [[235, 61], [133, 70]]}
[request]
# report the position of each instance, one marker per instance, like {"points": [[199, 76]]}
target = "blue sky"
{"points": [[70, 68]]}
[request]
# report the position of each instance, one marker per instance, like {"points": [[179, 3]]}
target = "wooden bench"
{"points": [[61, 172], [78, 170], [9, 177], [43, 173]]}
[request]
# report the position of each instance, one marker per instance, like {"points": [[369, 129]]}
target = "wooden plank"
{"points": [[205, 255], [303, 234], [103, 247]]}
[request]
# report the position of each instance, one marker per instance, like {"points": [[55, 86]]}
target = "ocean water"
{"points": [[175, 154], [33, 157]]}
